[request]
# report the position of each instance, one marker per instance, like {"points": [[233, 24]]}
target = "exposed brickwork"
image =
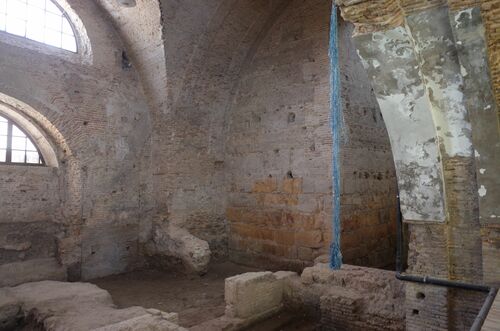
{"points": [[427, 252], [352, 298], [462, 4], [369, 188], [464, 241], [370, 16], [279, 144], [410, 6], [98, 121], [283, 221], [491, 247], [439, 308], [426, 308], [464, 307], [206, 45], [490, 9]]}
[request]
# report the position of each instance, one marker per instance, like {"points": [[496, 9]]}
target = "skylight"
{"points": [[38, 20]]}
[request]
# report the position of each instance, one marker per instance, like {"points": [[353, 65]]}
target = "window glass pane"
{"points": [[30, 146], [52, 38], [16, 132], [3, 142], [18, 143], [16, 26], [68, 43], [37, 3], [66, 27], [39, 20], [3, 6], [3, 20], [52, 8], [36, 16], [32, 157], [18, 156], [3, 128], [35, 32], [53, 21], [16, 8]]}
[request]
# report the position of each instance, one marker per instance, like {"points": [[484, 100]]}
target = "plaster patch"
{"points": [[463, 71], [482, 191], [482, 171], [467, 11], [122, 148]]}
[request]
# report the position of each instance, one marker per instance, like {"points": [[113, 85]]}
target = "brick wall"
{"points": [[352, 298], [87, 212], [369, 187], [278, 151]]}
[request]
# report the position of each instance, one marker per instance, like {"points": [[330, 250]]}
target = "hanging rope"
{"points": [[336, 126]]}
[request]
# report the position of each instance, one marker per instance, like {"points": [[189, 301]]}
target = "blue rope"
{"points": [[336, 126]]}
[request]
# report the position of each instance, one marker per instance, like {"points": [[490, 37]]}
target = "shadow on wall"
{"points": [[369, 185]]}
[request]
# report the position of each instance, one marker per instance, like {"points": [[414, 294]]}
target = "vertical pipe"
{"points": [[336, 127]]}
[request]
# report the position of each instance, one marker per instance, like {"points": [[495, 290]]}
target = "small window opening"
{"points": [[40, 20], [16, 147]]}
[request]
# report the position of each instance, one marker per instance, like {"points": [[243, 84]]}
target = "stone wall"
{"points": [[86, 212], [369, 185], [278, 151], [206, 44], [352, 298]]}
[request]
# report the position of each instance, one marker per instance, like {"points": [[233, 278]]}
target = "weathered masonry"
{"points": [[165, 138]]}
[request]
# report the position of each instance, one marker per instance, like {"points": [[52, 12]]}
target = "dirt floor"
{"points": [[196, 299]]}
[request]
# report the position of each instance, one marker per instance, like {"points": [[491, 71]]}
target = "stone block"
{"points": [[253, 294], [171, 241], [284, 237], [12, 274], [292, 185], [312, 239], [267, 185]]}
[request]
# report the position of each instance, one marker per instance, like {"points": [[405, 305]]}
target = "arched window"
{"points": [[39, 20], [16, 147]]}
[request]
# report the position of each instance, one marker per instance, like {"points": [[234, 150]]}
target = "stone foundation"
{"points": [[51, 306]]}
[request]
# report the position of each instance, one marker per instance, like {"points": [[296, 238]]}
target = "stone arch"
{"points": [[53, 146], [428, 63]]}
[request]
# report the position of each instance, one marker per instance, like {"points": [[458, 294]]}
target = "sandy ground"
{"points": [[196, 299]]}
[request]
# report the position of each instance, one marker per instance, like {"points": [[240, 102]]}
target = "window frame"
{"points": [[84, 54], [66, 16], [8, 153]]}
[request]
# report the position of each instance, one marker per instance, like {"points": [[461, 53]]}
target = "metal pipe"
{"points": [[442, 282], [483, 313]]}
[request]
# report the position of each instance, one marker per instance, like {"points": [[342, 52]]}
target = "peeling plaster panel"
{"points": [[435, 47], [469, 32], [406, 109]]}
